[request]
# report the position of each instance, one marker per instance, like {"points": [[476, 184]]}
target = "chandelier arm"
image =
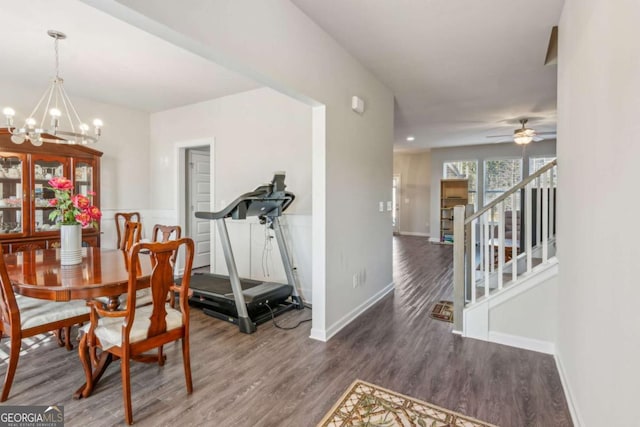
{"points": [[46, 108], [44, 95], [67, 103]]}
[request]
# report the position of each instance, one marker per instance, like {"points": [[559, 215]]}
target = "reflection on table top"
{"points": [[38, 274]]}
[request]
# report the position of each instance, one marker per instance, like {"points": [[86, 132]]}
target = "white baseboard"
{"points": [[306, 294], [414, 233], [522, 342], [325, 335], [573, 409], [318, 335]]}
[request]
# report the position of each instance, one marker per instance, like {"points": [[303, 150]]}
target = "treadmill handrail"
{"points": [[247, 198]]}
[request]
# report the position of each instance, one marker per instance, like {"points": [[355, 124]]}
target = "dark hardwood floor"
{"points": [[283, 378]]}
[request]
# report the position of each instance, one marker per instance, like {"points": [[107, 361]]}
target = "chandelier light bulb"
{"points": [[9, 113], [30, 122], [55, 118], [84, 128], [97, 123]]}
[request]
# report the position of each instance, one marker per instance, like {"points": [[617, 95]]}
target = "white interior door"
{"points": [[199, 199]]}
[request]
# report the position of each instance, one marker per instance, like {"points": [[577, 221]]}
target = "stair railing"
{"points": [[487, 257]]}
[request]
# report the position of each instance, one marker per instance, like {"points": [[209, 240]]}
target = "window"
{"points": [[535, 163], [499, 176], [464, 169]]}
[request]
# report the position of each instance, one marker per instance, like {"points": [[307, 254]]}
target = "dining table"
{"points": [[102, 273]]}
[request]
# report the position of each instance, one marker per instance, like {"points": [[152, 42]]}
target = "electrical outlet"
{"points": [[355, 281]]}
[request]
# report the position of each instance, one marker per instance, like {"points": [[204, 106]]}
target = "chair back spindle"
{"points": [[132, 234], [121, 219], [164, 233]]}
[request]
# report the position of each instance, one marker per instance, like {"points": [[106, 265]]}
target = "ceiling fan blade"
{"points": [[500, 136], [546, 133], [538, 138]]}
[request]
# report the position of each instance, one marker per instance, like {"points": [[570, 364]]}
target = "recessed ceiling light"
{"points": [[411, 138]]}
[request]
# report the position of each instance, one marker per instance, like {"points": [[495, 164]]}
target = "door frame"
{"points": [[181, 185]]}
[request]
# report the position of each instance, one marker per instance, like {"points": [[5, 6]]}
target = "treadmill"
{"points": [[245, 302]]}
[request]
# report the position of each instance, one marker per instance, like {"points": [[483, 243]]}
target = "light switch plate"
{"points": [[389, 206], [381, 206]]}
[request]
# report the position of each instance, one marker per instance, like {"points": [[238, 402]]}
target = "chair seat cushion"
{"points": [[143, 297], [36, 312], [109, 329]]}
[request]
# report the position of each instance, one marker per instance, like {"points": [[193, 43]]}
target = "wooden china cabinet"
{"points": [[24, 190]]}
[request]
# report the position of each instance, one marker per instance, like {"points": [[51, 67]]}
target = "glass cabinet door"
{"points": [[12, 209], [44, 169], [83, 177]]}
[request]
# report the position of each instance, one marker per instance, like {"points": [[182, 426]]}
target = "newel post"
{"points": [[458, 267]]}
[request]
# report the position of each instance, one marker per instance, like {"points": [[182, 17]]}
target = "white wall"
{"points": [[124, 166], [256, 133], [598, 233], [278, 45], [480, 153], [415, 191], [528, 320]]}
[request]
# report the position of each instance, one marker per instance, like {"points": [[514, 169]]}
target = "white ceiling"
{"points": [[105, 59], [460, 69]]}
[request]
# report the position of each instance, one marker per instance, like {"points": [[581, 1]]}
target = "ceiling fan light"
{"points": [[522, 139]]}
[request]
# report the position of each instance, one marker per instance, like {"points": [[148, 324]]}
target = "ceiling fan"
{"points": [[524, 135]]}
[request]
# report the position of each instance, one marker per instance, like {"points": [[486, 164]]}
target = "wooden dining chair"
{"points": [[164, 233], [121, 219], [131, 333], [131, 234], [24, 317], [62, 333]]}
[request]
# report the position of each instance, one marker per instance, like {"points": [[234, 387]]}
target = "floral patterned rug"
{"points": [[367, 405]]}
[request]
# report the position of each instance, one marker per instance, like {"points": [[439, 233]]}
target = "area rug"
{"points": [[366, 404], [443, 310]]}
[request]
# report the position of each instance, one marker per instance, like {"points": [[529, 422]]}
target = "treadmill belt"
{"points": [[218, 284]]}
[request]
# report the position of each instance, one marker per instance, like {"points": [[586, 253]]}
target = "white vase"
{"points": [[70, 244]]}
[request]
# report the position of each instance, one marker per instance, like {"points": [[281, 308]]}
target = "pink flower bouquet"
{"points": [[72, 209]]}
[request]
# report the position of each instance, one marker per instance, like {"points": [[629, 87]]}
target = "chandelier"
{"points": [[63, 125]]}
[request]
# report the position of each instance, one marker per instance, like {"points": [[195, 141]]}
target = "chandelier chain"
{"points": [[57, 59]]}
